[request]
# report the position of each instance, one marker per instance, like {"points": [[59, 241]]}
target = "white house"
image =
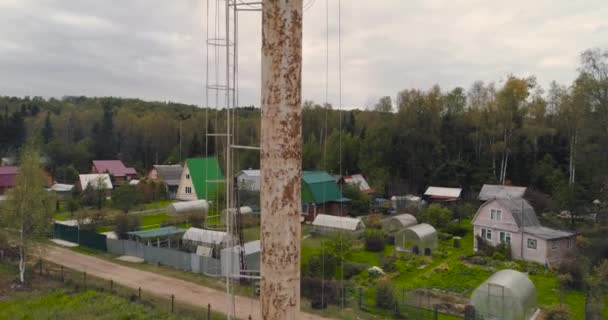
{"points": [[248, 180], [514, 221]]}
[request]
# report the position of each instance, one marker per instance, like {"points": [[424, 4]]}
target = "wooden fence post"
{"points": [[40, 266], [62, 279], [209, 311], [360, 298], [172, 302], [85, 281], [139, 293], [111, 286]]}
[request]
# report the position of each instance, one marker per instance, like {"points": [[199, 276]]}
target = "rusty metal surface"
{"points": [[281, 153]]}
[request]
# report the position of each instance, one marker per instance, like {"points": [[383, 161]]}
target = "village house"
{"points": [[200, 179], [321, 195], [119, 173], [248, 180], [168, 175], [514, 221], [97, 181], [357, 180], [8, 177]]}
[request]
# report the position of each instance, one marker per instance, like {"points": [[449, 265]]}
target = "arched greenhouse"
{"points": [[418, 239], [506, 295]]}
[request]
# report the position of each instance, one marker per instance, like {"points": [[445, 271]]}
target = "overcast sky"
{"points": [[155, 49]]}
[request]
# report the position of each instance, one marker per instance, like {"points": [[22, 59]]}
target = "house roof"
{"points": [[526, 219], [442, 192], [489, 191], [203, 170], [169, 174], [113, 167], [95, 179], [320, 187], [359, 180], [547, 233], [155, 233], [205, 236], [8, 176], [250, 172], [345, 223], [61, 187]]}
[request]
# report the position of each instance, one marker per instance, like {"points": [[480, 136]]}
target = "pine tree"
{"points": [[47, 130]]}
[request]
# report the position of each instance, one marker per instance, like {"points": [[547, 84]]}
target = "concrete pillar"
{"points": [[281, 158]]}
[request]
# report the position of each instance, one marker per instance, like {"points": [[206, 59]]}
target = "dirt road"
{"points": [[156, 284]]}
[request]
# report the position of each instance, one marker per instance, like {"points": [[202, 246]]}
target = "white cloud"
{"points": [[154, 49]]}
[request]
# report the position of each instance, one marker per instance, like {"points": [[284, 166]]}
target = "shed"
{"points": [[204, 237], [231, 262], [491, 191], [421, 238], [161, 237], [177, 208], [506, 295], [442, 193], [359, 181], [395, 223], [324, 224], [8, 178]]}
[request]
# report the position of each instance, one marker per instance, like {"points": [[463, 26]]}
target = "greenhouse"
{"points": [[324, 224], [421, 238], [506, 295], [393, 224], [196, 206]]}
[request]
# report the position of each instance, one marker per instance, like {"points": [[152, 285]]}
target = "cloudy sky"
{"points": [[155, 49]]}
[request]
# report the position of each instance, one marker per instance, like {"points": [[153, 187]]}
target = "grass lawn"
{"points": [[62, 216], [157, 205]]}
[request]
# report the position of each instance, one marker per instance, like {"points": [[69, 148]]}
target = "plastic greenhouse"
{"points": [[506, 295], [418, 239], [395, 223], [177, 208]]}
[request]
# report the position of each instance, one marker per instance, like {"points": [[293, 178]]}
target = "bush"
{"points": [[455, 229], [125, 197], [443, 236], [311, 288], [374, 241], [436, 215], [558, 313], [352, 269], [90, 219], [456, 243], [389, 239], [385, 295], [124, 223], [374, 221], [577, 269], [323, 265]]}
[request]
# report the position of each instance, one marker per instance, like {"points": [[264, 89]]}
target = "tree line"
{"points": [[512, 131]]}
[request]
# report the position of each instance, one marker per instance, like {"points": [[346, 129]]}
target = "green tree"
{"points": [[28, 210], [384, 104], [125, 197], [47, 129], [436, 215]]}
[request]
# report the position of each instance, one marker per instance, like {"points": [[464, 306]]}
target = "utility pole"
{"points": [[281, 158]]}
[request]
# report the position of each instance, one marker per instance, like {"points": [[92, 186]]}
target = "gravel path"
{"points": [[158, 285]]}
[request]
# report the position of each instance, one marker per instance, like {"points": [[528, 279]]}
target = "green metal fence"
{"points": [[85, 238]]}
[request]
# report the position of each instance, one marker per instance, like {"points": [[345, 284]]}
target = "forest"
{"points": [[512, 131]]}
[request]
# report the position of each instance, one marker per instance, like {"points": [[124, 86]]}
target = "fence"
{"points": [[81, 281], [167, 257], [89, 239]]}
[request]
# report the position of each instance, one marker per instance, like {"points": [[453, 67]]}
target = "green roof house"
{"points": [[201, 178], [321, 195]]}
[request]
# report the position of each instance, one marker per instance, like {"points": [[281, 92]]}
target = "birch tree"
{"points": [[28, 210]]}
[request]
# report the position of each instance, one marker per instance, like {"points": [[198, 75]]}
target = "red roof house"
{"points": [[115, 168], [8, 176]]}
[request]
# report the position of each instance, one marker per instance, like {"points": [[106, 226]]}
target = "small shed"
{"points": [[491, 191], [248, 180], [161, 237], [506, 295], [230, 258], [395, 223], [420, 238], [324, 224], [180, 208], [205, 237]]}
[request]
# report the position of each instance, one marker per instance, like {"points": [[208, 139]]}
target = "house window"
{"points": [[496, 214], [505, 237], [532, 243], [188, 189], [486, 234], [187, 176]]}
